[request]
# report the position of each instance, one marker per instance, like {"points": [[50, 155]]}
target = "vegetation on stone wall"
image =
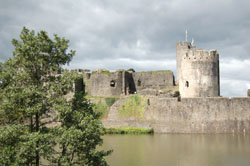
{"points": [[102, 104], [133, 107], [128, 130], [110, 101], [102, 108], [159, 71], [156, 71], [102, 71]]}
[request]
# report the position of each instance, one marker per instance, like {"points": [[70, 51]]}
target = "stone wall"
{"points": [[104, 83], [121, 82], [153, 82], [190, 115]]}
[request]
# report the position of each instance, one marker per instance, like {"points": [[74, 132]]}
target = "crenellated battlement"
{"points": [[185, 44], [201, 55]]}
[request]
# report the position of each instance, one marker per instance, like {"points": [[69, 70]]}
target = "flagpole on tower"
{"points": [[186, 35]]}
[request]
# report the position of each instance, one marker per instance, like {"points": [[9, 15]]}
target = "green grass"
{"points": [[128, 130], [110, 101], [102, 108], [101, 97], [103, 104], [92, 97], [133, 107], [102, 71], [155, 71]]}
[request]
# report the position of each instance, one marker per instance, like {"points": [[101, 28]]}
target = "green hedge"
{"points": [[128, 130]]}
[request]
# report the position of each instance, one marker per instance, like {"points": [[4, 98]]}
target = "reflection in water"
{"points": [[178, 150]]}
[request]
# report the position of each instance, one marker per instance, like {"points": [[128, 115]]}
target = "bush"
{"points": [[110, 101], [128, 130]]}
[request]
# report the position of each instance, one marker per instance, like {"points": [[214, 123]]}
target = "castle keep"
{"points": [[197, 71], [154, 99]]}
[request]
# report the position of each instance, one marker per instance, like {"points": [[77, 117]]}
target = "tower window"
{"points": [[187, 84], [139, 83], [88, 75], [112, 83], [148, 102]]}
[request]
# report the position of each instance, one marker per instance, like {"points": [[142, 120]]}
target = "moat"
{"points": [[179, 149]]}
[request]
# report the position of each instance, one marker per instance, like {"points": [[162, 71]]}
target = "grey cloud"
{"points": [[235, 78], [139, 34]]}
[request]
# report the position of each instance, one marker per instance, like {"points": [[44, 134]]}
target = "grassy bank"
{"points": [[134, 106], [128, 130]]}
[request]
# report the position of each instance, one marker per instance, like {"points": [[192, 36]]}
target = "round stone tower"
{"points": [[197, 71]]}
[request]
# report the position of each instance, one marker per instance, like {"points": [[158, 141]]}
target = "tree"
{"points": [[80, 134], [34, 96]]}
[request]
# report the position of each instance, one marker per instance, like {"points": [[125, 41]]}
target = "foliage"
{"points": [[102, 108], [102, 104], [110, 101], [155, 71], [31, 89], [133, 107], [103, 71], [128, 130], [80, 134]]}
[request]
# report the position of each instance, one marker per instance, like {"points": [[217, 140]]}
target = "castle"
{"points": [[154, 99], [197, 76]]}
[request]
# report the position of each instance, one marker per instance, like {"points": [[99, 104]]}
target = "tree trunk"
{"points": [[37, 144], [31, 124]]}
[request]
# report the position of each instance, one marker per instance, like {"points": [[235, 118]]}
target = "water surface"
{"points": [[178, 150]]}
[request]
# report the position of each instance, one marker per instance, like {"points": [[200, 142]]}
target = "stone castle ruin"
{"points": [[197, 76], [154, 99], [126, 82]]}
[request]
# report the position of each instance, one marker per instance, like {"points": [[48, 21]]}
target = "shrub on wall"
{"points": [[110, 101], [102, 108]]}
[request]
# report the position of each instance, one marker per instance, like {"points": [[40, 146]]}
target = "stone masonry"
{"points": [[154, 99]]}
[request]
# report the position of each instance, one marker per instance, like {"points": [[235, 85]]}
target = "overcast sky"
{"points": [[139, 34]]}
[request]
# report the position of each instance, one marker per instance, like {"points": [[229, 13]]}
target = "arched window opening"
{"points": [[187, 84], [148, 102], [139, 83], [88, 75], [112, 83]]}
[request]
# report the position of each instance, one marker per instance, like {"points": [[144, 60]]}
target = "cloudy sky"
{"points": [[139, 34]]}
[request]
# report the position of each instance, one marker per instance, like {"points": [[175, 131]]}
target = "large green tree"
{"points": [[39, 118]]}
